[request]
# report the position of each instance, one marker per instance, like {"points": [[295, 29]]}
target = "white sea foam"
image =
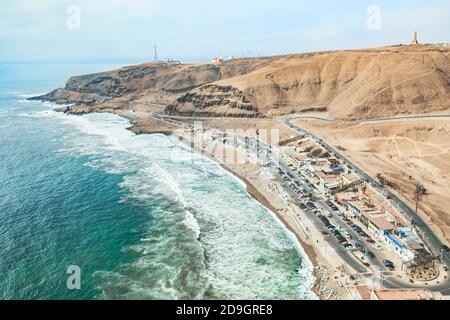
{"points": [[245, 245]]}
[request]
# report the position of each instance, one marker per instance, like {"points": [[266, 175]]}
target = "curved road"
{"points": [[418, 117], [427, 235], [431, 240]]}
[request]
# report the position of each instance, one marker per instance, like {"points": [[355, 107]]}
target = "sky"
{"points": [[197, 30]]}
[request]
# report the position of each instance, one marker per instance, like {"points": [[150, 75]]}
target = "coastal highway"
{"points": [[376, 264], [331, 240], [433, 243], [374, 120], [389, 282], [279, 163], [377, 269]]}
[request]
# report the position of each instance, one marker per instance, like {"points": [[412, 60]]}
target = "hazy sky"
{"points": [[198, 29]]}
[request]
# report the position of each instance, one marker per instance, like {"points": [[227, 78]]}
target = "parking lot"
{"points": [[347, 237]]}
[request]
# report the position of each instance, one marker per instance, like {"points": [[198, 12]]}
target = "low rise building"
{"points": [[217, 60], [401, 295], [328, 184], [398, 246], [379, 225], [359, 207]]}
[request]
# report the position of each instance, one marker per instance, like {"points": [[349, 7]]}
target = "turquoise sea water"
{"points": [[139, 217]]}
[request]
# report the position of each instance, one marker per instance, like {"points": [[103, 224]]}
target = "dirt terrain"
{"points": [[347, 85], [356, 84], [404, 153]]}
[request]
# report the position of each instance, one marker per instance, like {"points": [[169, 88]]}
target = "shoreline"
{"points": [[258, 196], [307, 250], [321, 269]]}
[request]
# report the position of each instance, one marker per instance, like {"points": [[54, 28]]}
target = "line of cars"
{"points": [[362, 233], [334, 231], [341, 237], [350, 223], [332, 206], [289, 179]]}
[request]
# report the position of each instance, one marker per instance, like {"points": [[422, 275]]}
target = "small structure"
{"points": [[217, 60], [414, 41], [172, 61], [379, 225], [329, 183]]}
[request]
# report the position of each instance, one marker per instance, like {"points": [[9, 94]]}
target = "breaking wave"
{"points": [[206, 237]]}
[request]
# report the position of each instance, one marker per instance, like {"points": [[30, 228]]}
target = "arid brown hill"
{"points": [[343, 84]]}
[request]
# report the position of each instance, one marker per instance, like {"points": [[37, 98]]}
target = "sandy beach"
{"points": [[327, 268]]}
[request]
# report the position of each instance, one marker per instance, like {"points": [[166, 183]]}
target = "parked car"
{"points": [[348, 246], [370, 255], [389, 264], [311, 206], [360, 247]]}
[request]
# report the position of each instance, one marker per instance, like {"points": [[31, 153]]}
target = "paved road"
{"points": [[427, 235], [331, 240], [396, 118]]}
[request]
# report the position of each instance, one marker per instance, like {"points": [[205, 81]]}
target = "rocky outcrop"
{"points": [[62, 96], [214, 101]]}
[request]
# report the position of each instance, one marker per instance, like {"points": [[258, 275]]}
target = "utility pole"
{"points": [[156, 52], [279, 98], [420, 191]]}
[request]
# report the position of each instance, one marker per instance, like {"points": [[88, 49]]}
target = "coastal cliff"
{"points": [[356, 84]]}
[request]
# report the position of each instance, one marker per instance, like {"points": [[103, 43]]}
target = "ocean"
{"points": [[136, 214]]}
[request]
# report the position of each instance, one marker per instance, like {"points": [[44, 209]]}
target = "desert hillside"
{"points": [[355, 84]]}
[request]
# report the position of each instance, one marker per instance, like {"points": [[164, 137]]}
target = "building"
{"points": [[401, 295], [359, 207], [217, 60], [379, 225], [398, 246], [301, 158], [414, 38], [366, 293], [351, 178], [329, 183], [362, 293]]}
